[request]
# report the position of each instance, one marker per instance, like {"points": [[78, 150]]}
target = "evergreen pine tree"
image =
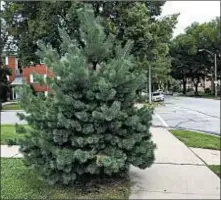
{"points": [[88, 125]]}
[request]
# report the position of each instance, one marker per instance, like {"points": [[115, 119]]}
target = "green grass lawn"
{"points": [[8, 133], [19, 182], [216, 169], [207, 96], [13, 106], [197, 140]]}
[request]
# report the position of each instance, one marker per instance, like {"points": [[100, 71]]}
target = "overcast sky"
{"points": [[190, 11]]}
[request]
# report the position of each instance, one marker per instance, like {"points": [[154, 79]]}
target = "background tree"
{"points": [[4, 83], [4, 70], [151, 38], [88, 126], [136, 21], [182, 49], [188, 62], [207, 36], [31, 21]]}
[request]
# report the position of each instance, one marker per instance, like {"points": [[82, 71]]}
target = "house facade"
{"points": [[26, 76], [202, 85], [40, 69]]}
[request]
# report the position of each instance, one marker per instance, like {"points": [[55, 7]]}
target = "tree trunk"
{"points": [[94, 65], [212, 85], [0, 104], [196, 89], [184, 87]]}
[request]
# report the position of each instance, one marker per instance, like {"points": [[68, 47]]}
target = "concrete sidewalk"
{"points": [[176, 174], [10, 151]]}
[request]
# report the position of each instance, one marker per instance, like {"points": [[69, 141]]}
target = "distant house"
{"points": [[25, 76], [41, 69], [203, 84]]}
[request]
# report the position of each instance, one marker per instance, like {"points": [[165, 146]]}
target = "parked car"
{"points": [[157, 96]]}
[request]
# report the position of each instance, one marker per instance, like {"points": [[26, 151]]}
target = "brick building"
{"points": [[28, 77], [25, 76]]}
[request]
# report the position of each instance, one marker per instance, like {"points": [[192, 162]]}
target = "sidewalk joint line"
{"points": [[197, 156]]}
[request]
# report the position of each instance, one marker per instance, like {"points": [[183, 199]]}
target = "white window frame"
{"points": [[6, 60], [31, 78], [16, 63], [41, 62]]}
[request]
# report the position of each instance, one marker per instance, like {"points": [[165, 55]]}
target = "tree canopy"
{"points": [[29, 22], [188, 61]]}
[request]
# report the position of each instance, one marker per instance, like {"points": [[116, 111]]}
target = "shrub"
{"points": [[189, 90], [207, 90], [89, 127]]}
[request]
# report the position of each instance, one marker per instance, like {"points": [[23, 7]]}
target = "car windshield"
{"points": [[156, 94]]}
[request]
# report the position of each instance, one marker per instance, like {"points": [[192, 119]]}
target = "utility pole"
{"points": [[215, 68], [150, 93], [215, 77]]}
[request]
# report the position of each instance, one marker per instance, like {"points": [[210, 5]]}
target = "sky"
{"points": [[191, 11]]}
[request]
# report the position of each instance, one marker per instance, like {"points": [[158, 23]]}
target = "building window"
{"points": [[33, 79], [41, 61]]}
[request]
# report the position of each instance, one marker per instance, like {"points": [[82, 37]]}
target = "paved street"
{"points": [[178, 112], [189, 113]]}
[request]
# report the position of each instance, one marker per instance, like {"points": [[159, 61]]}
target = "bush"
{"points": [[207, 90], [176, 88], [189, 90], [89, 127]]}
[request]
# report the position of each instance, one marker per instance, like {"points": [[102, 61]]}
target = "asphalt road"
{"points": [[178, 112], [189, 113]]}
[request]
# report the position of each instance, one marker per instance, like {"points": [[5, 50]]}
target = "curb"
{"points": [[8, 103], [196, 130]]}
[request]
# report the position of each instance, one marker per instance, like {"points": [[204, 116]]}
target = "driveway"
{"points": [[190, 113]]}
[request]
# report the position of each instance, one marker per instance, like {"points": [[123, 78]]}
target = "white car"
{"points": [[157, 96]]}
